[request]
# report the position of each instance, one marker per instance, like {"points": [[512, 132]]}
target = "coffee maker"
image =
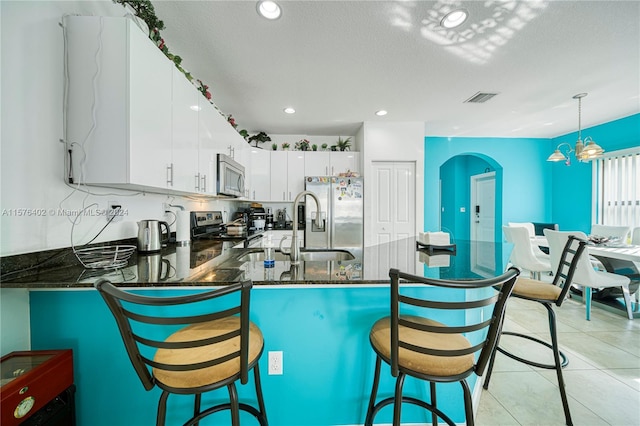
{"points": [[257, 218]]}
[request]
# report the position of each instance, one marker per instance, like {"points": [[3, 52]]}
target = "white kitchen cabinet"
{"points": [[331, 163], [287, 174], [317, 163], [343, 161], [134, 120], [208, 146], [259, 176], [295, 173], [185, 137], [118, 125]]}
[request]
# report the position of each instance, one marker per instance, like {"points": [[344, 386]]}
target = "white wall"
{"points": [[32, 156], [381, 141], [14, 320]]}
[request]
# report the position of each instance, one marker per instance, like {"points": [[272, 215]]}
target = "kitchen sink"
{"points": [[307, 255]]}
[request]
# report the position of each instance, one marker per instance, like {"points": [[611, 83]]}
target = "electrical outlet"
{"points": [[275, 362], [113, 209]]}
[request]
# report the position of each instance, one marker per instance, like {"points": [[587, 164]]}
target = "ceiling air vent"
{"points": [[480, 97]]}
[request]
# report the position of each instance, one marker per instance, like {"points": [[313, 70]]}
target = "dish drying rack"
{"points": [[102, 257]]}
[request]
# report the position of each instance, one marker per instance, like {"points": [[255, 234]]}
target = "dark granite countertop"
{"points": [[216, 263]]}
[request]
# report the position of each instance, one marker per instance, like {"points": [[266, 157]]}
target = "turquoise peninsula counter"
{"points": [[318, 315]]}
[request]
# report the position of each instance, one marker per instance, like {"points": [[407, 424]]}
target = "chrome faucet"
{"points": [[294, 253]]}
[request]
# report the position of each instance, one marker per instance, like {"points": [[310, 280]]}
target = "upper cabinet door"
{"points": [[295, 173], [279, 189], [344, 161], [184, 147], [260, 172], [150, 111], [317, 163]]}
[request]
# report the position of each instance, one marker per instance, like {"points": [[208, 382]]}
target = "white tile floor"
{"points": [[602, 378]]}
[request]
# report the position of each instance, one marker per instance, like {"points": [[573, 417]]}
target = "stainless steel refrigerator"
{"points": [[341, 204]]}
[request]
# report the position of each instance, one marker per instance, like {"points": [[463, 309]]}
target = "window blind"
{"points": [[618, 182]]}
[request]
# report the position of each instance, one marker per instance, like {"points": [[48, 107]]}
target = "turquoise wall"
{"points": [[526, 175], [323, 332], [571, 191], [534, 189], [455, 176]]}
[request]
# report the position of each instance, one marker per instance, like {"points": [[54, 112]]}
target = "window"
{"points": [[617, 180]]}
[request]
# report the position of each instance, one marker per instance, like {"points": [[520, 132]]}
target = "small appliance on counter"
{"points": [[150, 236], [269, 219], [257, 218], [206, 224]]}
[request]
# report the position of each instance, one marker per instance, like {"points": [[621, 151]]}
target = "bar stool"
{"points": [[547, 294], [213, 349], [419, 346]]}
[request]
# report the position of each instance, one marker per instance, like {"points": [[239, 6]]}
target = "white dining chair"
{"points": [[585, 275], [523, 255], [533, 238]]}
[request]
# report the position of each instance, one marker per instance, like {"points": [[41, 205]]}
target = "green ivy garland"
{"points": [[144, 10]]}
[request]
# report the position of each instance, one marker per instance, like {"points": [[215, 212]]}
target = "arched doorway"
{"points": [[457, 190]]}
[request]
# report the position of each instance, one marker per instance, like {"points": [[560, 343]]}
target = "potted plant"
{"points": [[324, 146], [285, 146], [259, 138], [314, 147], [302, 145], [274, 146], [343, 144]]}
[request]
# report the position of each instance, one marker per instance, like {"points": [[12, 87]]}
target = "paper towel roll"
{"points": [[183, 259], [183, 227]]}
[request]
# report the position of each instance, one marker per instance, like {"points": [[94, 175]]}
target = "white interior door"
{"points": [[393, 216], [483, 214]]}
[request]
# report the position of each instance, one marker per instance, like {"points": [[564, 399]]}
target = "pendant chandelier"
{"points": [[584, 151]]}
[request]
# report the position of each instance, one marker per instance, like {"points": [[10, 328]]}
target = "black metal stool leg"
{"points": [[434, 416], [374, 391], [468, 404], [196, 406], [559, 364], [263, 411], [397, 405], [162, 408], [235, 408]]}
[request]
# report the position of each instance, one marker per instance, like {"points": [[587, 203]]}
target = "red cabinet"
{"points": [[34, 380]]}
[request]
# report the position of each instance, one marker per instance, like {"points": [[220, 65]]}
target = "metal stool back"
{"points": [[191, 344], [417, 344], [547, 294]]}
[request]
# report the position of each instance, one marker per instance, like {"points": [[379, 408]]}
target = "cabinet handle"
{"points": [[198, 182], [331, 170], [204, 183], [326, 170], [254, 194], [284, 196], [170, 174]]}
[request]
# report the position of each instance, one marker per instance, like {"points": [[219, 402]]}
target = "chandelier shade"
{"points": [[584, 151]]}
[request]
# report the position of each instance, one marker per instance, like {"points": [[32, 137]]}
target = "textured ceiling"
{"points": [[337, 62]]}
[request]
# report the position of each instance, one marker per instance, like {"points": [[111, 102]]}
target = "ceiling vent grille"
{"points": [[480, 97]]}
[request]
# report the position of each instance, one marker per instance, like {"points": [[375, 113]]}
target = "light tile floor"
{"points": [[602, 378]]}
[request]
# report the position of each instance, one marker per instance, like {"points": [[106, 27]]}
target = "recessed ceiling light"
{"points": [[455, 18], [289, 110], [269, 9], [195, 108], [381, 113]]}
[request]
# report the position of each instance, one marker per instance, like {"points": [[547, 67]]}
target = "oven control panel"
{"points": [[206, 224]]}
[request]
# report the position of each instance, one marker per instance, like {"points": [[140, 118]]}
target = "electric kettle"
{"points": [[150, 238], [153, 268]]}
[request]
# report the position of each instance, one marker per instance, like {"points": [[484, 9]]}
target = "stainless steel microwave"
{"points": [[230, 176]]}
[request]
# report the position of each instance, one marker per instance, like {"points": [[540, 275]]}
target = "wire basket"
{"points": [[105, 257]]}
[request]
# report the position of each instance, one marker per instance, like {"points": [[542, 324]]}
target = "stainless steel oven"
{"points": [[230, 176]]}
